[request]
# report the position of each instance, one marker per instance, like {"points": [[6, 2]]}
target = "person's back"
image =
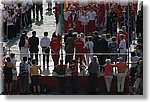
{"points": [[69, 46], [93, 67], [35, 70], [103, 46], [96, 44], [79, 44], [34, 43]]}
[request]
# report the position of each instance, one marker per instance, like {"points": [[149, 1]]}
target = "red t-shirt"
{"points": [[79, 44], [108, 69], [121, 66]]}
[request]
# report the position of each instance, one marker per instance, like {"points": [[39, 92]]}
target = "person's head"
{"points": [[122, 36], [34, 33], [95, 33], [24, 32], [90, 38], [70, 31], [12, 55], [29, 59], [45, 33], [108, 36], [114, 38], [61, 62], [103, 36], [120, 59], [108, 61], [54, 36], [25, 59], [94, 58], [75, 34], [124, 28], [33, 61], [74, 61], [8, 59]]}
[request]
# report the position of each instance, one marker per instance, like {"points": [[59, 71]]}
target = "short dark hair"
{"points": [[33, 61], [25, 58], [34, 33], [8, 59], [12, 55], [45, 33]]}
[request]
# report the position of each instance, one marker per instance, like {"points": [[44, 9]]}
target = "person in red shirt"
{"points": [[74, 69], [121, 67], [55, 48], [108, 74], [79, 48], [119, 11]]}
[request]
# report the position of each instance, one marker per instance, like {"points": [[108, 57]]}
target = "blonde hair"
{"points": [[108, 61]]}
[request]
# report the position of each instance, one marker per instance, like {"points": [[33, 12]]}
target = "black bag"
{"points": [[61, 70]]}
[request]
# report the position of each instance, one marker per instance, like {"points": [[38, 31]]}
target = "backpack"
{"points": [[23, 71], [61, 70]]}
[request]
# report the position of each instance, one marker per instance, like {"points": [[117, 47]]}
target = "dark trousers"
{"points": [[32, 53], [11, 32], [68, 58], [92, 82], [29, 16], [39, 8], [25, 21], [74, 84], [33, 9], [46, 53], [24, 84], [62, 84]]}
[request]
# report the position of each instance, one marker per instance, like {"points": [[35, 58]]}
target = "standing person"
{"points": [[113, 46], [121, 67], [108, 74], [49, 2], [35, 76], [24, 76], [33, 46], [45, 43], [55, 48], [14, 71], [89, 46], [103, 48], [10, 24], [39, 7], [69, 48], [92, 18], [29, 72], [79, 44], [23, 46], [8, 75], [93, 69], [61, 71], [84, 23], [74, 78], [122, 46]]}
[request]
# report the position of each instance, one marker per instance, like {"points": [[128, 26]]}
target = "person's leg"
{"points": [[107, 83], [36, 57], [31, 54], [110, 81], [122, 83], [34, 89], [64, 85], [38, 89], [37, 12], [41, 11], [43, 61], [118, 83]]}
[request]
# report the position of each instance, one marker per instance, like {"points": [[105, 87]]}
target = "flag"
{"points": [[60, 24]]}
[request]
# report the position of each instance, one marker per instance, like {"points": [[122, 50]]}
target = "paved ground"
{"points": [[48, 24]]}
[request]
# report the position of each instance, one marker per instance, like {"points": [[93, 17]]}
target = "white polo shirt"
{"points": [[122, 45], [92, 15], [45, 42]]}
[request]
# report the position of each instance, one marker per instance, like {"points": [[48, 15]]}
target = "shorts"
{"points": [[35, 80]]}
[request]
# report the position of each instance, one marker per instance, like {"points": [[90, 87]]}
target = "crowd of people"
{"points": [[84, 44]]}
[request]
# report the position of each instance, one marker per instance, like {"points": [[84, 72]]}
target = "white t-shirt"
{"points": [[89, 45], [84, 20], [66, 15], [45, 42], [92, 15], [122, 45], [80, 15]]}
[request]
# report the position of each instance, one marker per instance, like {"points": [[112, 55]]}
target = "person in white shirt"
{"points": [[45, 43], [122, 46], [92, 18], [89, 46], [84, 23], [14, 71], [66, 24]]}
